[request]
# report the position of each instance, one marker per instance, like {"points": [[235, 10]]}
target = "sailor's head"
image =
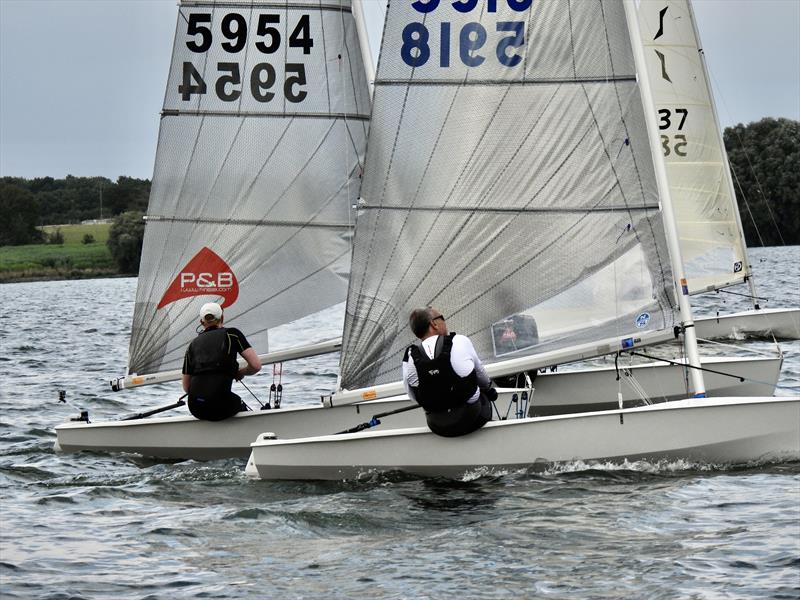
{"points": [[210, 314], [428, 321]]}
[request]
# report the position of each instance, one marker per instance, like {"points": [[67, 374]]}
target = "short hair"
{"points": [[419, 320]]}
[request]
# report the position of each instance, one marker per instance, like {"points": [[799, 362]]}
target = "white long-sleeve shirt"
{"points": [[463, 359]]}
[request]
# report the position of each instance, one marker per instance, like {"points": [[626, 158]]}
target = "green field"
{"points": [[71, 260]]}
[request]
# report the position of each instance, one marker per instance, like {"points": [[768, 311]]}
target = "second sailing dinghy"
{"points": [[514, 166], [192, 204]]}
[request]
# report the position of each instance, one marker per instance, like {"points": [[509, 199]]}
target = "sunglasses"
{"points": [[439, 317]]}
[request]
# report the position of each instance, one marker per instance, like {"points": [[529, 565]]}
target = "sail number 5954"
{"points": [[227, 81]]}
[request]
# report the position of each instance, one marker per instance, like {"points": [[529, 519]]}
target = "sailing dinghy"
{"points": [[516, 160], [151, 345], [260, 154]]}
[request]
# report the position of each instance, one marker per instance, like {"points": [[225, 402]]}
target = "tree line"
{"points": [[764, 158], [765, 163], [29, 204]]}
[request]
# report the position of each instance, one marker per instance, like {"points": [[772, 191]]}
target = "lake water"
{"points": [[103, 526]]}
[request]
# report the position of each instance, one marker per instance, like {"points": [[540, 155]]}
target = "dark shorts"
{"points": [[461, 420], [211, 398]]}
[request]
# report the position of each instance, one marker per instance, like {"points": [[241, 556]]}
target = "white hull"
{"points": [[783, 323], [567, 391], [715, 431]]}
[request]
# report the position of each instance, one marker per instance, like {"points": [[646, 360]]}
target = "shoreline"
{"points": [[46, 275]]}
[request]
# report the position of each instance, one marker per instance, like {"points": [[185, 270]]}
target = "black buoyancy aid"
{"points": [[211, 353], [440, 387]]}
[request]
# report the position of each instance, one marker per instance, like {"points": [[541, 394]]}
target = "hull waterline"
{"points": [[712, 431]]}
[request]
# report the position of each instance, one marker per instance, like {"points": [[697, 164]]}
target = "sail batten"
{"points": [[260, 154]]}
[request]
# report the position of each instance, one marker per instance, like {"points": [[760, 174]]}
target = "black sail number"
{"points": [[266, 30], [234, 29], [230, 34], [262, 79], [199, 25], [298, 79], [232, 77], [667, 119]]}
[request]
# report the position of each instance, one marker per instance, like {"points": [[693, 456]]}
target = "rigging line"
{"points": [[749, 210], [690, 366], [325, 57], [751, 296], [251, 393], [752, 170]]}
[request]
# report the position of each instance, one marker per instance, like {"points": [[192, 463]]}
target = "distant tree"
{"points": [[20, 212], [125, 241], [56, 238], [765, 163], [127, 194], [88, 238]]}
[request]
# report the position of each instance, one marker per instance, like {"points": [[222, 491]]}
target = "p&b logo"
{"points": [[206, 274]]}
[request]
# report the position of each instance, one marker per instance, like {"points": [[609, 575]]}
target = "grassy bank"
{"points": [[71, 260]]}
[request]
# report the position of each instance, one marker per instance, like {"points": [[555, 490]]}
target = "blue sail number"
{"points": [[465, 6], [416, 49]]}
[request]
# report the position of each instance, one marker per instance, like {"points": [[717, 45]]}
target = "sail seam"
{"points": [[256, 222], [510, 82], [259, 5], [510, 209], [280, 115]]}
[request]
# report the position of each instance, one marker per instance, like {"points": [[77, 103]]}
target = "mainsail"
{"points": [[508, 181], [711, 239], [259, 159]]}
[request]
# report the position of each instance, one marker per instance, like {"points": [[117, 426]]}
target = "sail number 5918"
{"points": [[470, 39], [262, 77]]}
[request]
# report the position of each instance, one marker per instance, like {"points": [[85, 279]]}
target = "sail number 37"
{"points": [[262, 77], [666, 119]]}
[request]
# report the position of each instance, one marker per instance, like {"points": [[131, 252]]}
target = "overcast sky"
{"points": [[82, 81]]}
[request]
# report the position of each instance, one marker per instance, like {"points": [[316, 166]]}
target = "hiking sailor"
{"points": [[210, 366], [443, 374]]}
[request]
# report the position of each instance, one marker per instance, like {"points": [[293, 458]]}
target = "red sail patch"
{"points": [[205, 274]]}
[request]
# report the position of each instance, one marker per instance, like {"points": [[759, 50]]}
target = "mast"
{"points": [[363, 38], [670, 227], [727, 175]]}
